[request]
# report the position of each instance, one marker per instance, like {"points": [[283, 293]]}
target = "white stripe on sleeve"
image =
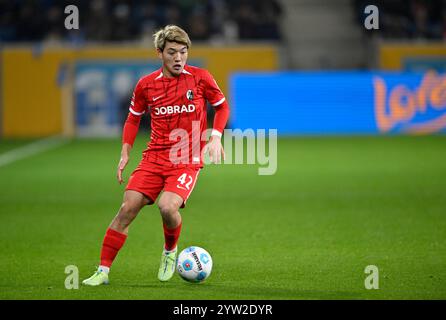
{"points": [[219, 102], [136, 113]]}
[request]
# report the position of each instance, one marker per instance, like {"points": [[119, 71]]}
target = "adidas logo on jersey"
{"points": [[174, 109]]}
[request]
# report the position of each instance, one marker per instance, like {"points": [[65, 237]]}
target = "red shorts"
{"points": [[150, 179]]}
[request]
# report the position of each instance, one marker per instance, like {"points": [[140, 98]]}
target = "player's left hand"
{"points": [[123, 161], [121, 166], [214, 149]]}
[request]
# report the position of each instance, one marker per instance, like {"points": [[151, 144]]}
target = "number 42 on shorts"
{"points": [[185, 181]]}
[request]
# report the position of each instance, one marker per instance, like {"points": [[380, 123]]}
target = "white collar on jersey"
{"points": [[184, 71]]}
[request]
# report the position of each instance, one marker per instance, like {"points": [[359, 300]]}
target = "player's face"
{"points": [[174, 58]]}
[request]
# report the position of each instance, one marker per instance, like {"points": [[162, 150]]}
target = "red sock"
{"points": [[171, 237], [113, 242]]}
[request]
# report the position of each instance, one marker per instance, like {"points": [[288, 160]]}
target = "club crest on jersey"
{"points": [[190, 94]]}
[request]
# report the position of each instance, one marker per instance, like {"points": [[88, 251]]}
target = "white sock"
{"points": [[104, 269]]}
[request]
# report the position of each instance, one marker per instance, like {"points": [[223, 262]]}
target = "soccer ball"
{"points": [[194, 264]]}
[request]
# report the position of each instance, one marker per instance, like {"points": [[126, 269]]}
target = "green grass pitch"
{"points": [[335, 206]]}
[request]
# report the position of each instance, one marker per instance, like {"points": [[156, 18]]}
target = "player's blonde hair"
{"points": [[170, 33]]}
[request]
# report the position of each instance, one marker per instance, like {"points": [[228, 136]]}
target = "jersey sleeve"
{"points": [[220, 119], [213, 93], [138, 103], [130, 130]]}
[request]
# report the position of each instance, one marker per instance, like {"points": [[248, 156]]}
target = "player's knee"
{"points": [[129, 207], [167, 208]]}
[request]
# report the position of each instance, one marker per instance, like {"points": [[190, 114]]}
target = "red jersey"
{"points": [[177, 107]]}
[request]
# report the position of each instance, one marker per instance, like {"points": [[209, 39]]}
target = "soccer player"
{"points": [[175, 95]]}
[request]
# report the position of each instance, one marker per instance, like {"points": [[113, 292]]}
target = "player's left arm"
{"points": [[217, 99]]}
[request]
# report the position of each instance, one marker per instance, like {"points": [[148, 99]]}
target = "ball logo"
{"points": [[187, 265], [174, 109], [197, 260], [190, 94]]}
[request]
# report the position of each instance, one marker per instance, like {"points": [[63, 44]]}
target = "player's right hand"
{"points": [[121, 166]]}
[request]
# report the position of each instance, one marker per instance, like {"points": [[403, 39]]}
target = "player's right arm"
{"points": [[131, 126]]}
